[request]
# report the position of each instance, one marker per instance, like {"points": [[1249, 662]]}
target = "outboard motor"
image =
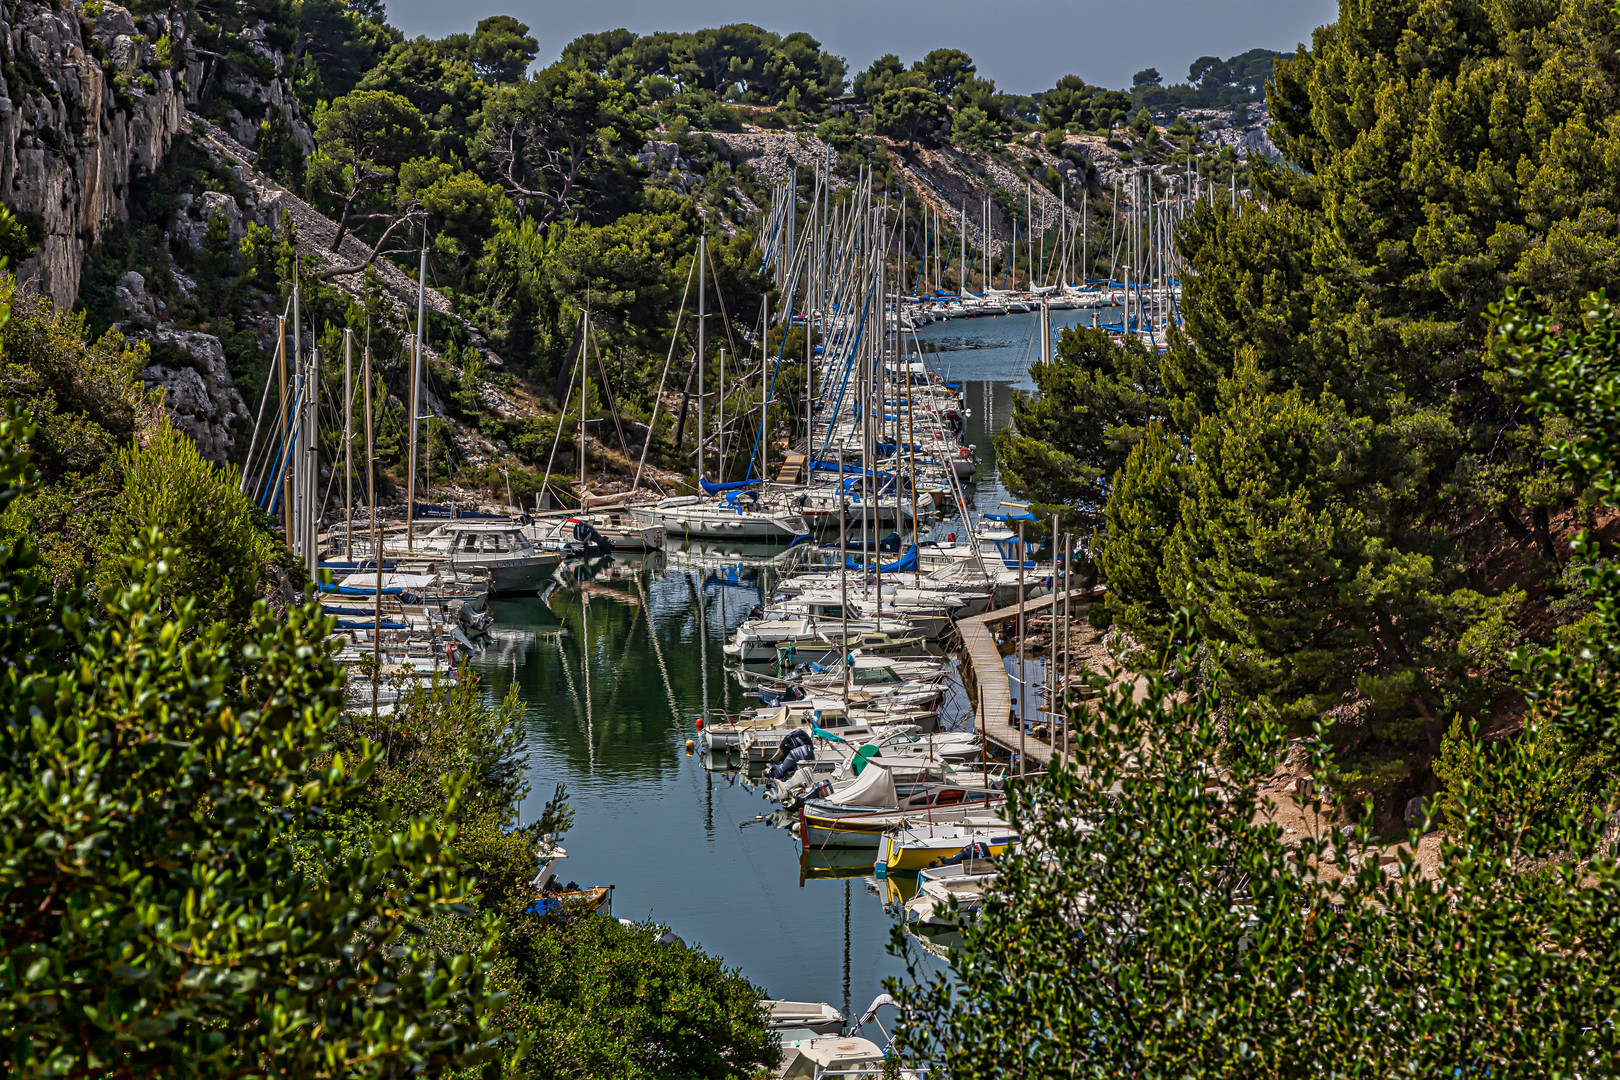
{"points": [[815, 791], [976, 850], [795, 738], [595, 543], [768, 696], [790, 764]]}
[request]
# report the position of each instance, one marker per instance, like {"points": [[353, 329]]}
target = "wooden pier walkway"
{"points": [[792, 471], [994, 704]]}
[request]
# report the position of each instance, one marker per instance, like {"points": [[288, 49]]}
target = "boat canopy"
{"points": [[365, 583], [874, 787]]}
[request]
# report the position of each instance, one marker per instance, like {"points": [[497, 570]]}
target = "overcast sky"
{"points": [[1024, 46]]}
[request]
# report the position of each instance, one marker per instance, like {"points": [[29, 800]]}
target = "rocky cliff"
{"points": [[85, 105]]}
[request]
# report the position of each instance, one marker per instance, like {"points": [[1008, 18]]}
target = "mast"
{"points": [[312, 464], [843, 580], [376, 540], [281, 364], [812, 289], [287, 470], [584, 389], [348, 444], [703, 252], [416, 398], [1029, 216], [1023, 684], [720, 423], [764, 387]]}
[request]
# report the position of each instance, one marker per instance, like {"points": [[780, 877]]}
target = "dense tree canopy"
{"points": [[1349, 476]]}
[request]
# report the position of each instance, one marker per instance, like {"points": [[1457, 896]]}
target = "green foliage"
{"points": [[946, 70], [217, 553], [601, 999], [335, 44], [1573, 372], [1067, 442], [500, 49], [885, 73], [362, 139], [14, 243], [161, 915], [910, 113], [739, 62], [559, 143], [1358, 544], [1155, 924], [279, 155], [444, 87]]}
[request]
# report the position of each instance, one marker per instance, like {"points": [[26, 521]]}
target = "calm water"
{"points": [[612, 672]]}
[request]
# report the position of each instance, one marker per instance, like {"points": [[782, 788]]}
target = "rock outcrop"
{"points": [[199, 396], [84, 107]]}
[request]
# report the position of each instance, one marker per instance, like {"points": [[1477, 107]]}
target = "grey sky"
{"points": [[1024, 46]]}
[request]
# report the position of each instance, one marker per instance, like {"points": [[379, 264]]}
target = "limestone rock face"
{"points": [[200, 398], [85, 107], [133, 302], [69, 144]]}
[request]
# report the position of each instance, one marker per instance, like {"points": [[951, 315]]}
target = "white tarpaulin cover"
{"points": [[366, 580], [874, 787]]}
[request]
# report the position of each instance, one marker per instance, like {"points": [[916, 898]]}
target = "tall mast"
{"points": [[703, 252], [764, 385], [281, 358], [288, 469], [376, 541], [348, 444], [416, 397], [311, 464], [584, 389]]}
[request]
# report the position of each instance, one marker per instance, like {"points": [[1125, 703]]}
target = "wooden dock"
{"points": [[792, 471], [994, 702]]}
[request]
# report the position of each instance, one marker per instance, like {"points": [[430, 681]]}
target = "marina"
{"points": [[615, 669], [779, 696]]}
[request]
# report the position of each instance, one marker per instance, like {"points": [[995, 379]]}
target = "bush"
{"points": [[218, 551]]}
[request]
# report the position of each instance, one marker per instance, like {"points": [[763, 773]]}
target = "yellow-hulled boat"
{"points": [[820, 830], [920, 846]]}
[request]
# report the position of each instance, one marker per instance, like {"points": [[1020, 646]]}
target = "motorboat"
{"points": [[552, 897], [597, 531], [964, 882], [735, 515], [813, 1017], [818, 829], [759, 733], [513, 565], [842, 1056]]}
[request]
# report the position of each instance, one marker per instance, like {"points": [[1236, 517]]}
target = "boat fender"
{"points": [[699, 724]]}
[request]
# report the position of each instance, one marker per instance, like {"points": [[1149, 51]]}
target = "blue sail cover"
{"points": [[715, 489], [903, 565]]}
